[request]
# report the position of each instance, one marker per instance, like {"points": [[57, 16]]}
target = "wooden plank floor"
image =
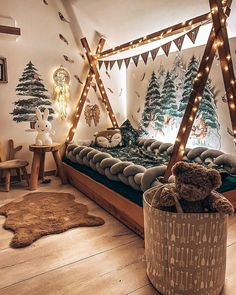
{"points": [[106, 260]]}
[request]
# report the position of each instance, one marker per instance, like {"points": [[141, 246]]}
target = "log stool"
{"points": [[37, 169]]}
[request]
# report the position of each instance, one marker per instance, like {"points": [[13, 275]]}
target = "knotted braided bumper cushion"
{"points": [[137, 176]]}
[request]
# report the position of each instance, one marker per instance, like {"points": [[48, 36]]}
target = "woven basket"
{"points": [[185, 252]]}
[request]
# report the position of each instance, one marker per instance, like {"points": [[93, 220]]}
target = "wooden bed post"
{"points": [[83, 96], [91, 74], [92, 61], [218, 39]]}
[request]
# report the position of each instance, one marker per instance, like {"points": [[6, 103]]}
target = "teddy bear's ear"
{"points": [[215, 178], [180, 167]]}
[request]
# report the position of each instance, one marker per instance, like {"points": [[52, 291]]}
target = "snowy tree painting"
{"points": [[178, 74], [152, 116], [187, 85], [166, 100], [32, 94]]}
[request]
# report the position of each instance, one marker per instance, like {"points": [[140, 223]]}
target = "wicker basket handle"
{"points": [[158, 193]]}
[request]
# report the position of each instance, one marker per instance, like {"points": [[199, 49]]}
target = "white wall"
{"points": [[39, 42]]}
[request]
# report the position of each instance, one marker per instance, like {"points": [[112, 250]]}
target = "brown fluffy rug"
{"points": [[40, 214]]}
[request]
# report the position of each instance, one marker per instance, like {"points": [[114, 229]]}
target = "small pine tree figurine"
{"points": [[152, 108], [33, 90], [188, 83], [168, 97]]}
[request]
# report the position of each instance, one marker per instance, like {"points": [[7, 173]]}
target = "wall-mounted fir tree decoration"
{"points": [[188, 82], [207, 107], [32, 94], [168, 98], [152, 113]]}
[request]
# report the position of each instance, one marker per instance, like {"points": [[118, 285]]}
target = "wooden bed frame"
{"points": [[123, 209]]}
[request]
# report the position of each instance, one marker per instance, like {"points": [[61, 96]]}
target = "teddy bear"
{"points": [[193, 191]]}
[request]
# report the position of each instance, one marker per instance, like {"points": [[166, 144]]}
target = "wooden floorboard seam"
{"points": [[66, 265], [137, 289]]}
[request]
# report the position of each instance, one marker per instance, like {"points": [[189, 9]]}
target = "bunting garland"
{"points": [[193, 34], [165, 47], [106, 63], [100, 63], [112, 62], [127, 61], [119, 62], [154, 53], [136, 59], [179, 42], [145, 57]]}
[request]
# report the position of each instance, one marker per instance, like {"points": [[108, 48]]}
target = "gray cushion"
{"points": [[155, 145], [195, 152], [107, 163], [151, 175], [163, 147], [133, 169], [100, 156], [119, 167], [211, 154], [228, 161]]}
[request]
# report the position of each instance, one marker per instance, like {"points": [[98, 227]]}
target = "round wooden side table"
{"points": [[37, 169]]}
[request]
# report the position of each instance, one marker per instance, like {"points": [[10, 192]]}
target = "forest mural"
{"points": [[165, 102], [32, 93]]}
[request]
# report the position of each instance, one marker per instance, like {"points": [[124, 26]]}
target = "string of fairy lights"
{"points": [[93, 73]]}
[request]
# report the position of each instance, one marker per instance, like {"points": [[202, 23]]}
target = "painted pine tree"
{"points": [[152, 112], [32, 94], [188, 82], [207, 108], [168, 97]]}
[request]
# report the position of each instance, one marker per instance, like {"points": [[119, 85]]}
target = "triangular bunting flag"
{"points": [[112, 62], [106, 62], [100, 63], [154, 52], [145, 57], [179, 42], [127, 61], [166, 48], [119, 62], [193, 34], [135, 59]]}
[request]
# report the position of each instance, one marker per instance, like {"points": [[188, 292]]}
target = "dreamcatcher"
{"points": [[92, 113], [61, 91]]}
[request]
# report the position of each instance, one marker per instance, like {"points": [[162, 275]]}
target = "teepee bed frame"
{"points": [[130, 213]]}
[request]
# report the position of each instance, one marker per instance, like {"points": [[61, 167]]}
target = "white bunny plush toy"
{"points": [[43, 126]]}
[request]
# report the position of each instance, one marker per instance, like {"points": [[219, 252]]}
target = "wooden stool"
{"points": [[37, 169], [12, 164]]}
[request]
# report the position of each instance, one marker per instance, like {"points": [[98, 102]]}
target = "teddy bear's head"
{"points": [[195, 182]]}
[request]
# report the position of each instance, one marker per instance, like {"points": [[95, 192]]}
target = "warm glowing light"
{"points": [[228, 57], [207, 69], [226, 68], [232, 106], [61, 91]]}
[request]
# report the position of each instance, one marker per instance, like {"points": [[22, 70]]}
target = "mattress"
{"points": [[142, 166]]}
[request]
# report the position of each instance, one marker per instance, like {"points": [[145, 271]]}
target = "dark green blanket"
{"points": [[137, 155]]}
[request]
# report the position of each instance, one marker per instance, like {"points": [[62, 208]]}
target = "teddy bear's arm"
{"points": [[165, 197], [220, 203]]}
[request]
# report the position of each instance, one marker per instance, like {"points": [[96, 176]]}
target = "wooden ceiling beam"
{"points": [[10, 30], [167, 32]]}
